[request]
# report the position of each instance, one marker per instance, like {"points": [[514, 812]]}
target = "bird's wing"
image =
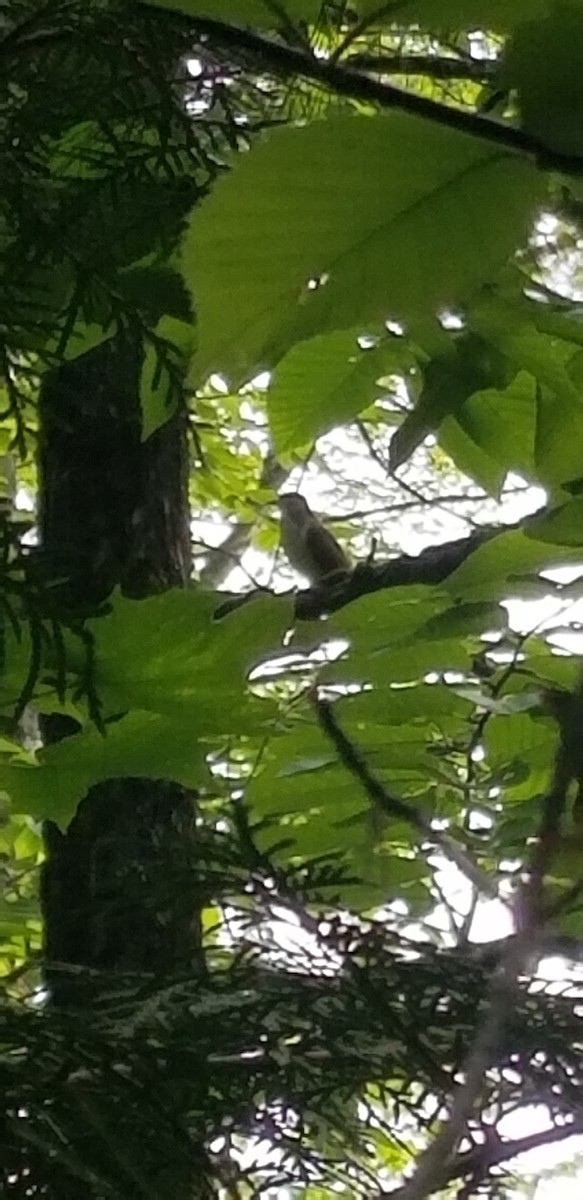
{"points": [[325, 553]]}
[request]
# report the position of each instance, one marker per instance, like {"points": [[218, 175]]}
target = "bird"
{"points": [[310, 548]]}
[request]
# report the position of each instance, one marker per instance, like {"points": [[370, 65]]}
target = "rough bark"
{"points": [[118, 895], [113, 510]]}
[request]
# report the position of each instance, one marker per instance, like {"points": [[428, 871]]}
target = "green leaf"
{"points": [[382, 620], [168, 655], [184, 678], [493, 433], [298, 777], [410, 615], [543, 64], [141, 744], [463, 619], [549, 667], [506, 559], [559, 436], [511, 327], [243, 12], [468, 365], [495, 15], [302, 236], [524, 749], [422, 702], [403, 637], [327, 381], [563, 526], [567, 326]]}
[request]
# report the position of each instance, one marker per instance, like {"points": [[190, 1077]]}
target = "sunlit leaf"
{"points": [[302, 237]]}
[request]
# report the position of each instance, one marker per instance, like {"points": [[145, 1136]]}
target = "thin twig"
{"points": [[394, 806], [366, 22]]}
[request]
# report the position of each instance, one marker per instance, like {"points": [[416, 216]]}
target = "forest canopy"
{"points": [[287, 851]]}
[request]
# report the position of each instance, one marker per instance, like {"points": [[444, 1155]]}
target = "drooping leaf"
{"points": [[327, 381], [494, 433], [470, 364]]}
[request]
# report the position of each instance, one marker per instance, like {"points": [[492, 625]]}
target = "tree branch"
{"points": [[431, 566], [480, 1159], [286, 61]]}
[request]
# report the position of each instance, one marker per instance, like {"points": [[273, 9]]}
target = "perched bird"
{"points": [[310, 547]]}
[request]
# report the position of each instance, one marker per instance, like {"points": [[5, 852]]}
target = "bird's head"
{"points": [[291, 501], [294, 508]]}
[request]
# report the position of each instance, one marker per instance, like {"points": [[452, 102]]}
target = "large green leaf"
{"points": [[328, 381], [502, 565], [352, 219], [174, 679], [314, 808], [423, 703], [168, 655], [395, 639], [141, 744], [410, 615]]}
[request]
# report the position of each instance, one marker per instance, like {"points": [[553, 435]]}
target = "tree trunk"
{"points": [[118, 896], [113, 510]]}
